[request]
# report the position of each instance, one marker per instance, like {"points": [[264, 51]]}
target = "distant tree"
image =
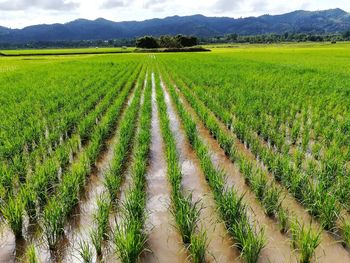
{"points": [[232, 37], [168, 42], [187, 41], [147, 42], [346, 34]]}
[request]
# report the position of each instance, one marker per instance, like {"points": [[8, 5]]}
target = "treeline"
{"points": [[70, 44], [181, 41], [178, 41], [276, 38]]}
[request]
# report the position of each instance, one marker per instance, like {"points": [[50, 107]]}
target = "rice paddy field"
{"points": [[237, 155]]}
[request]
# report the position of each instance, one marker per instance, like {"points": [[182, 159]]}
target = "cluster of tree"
{"points": [[178, 41], [276, 38]]}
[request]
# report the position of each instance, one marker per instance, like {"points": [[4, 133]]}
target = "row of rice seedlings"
{"points": [[65, 127], [267, 193], [42, 182], [319, 201], [36, 191], [185, 212], [60, 206], [129, 236], [31, 158], [38, 137], [127, 127], [314, 195], [248, 238], [113, 178]]}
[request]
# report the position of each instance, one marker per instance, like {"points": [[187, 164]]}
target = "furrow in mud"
{"points": [[329, 249], [221, 247], [163, 241], [278, 247], [81, 224], [76, 228]]}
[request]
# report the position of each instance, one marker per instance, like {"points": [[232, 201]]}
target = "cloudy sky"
{"points": [[20, 13]]}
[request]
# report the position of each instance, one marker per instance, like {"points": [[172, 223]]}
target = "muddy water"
{"points": [[115, 215], [7, 246], [278, 247], [78, 226], [329, 250], [220, 247], [82, 223], [163, 240]]}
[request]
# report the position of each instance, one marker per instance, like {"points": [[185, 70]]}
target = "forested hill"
{"points": [[316, 22]]}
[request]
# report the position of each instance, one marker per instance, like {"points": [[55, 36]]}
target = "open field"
{"points": [[237, 155]]}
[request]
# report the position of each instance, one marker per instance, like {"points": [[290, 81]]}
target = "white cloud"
{"points": [[20, 13], [15, 5], [115, 3]]}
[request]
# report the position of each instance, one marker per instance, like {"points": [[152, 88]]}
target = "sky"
{"points": [[21, 13]]}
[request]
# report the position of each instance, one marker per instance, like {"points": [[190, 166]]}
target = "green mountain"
{"points": [[327, 21]]}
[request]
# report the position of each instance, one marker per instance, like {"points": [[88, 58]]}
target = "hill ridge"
{"points": [[298, 21]]}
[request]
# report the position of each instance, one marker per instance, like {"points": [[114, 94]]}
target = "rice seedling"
{"points": [[85, 252], [272, 201], [198, 246], [13, 212], [259, 185], [283, 219], [53, 223], [345, 228], [29, 200], [186, 214], [253, 242], [305, 240], [30, 255], [96, 237], [129, 240]]}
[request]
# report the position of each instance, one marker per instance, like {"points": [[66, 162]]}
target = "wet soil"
{"points": [[221, 247], [329, 250], [78, 226], [164, 242], [278, 247]]}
